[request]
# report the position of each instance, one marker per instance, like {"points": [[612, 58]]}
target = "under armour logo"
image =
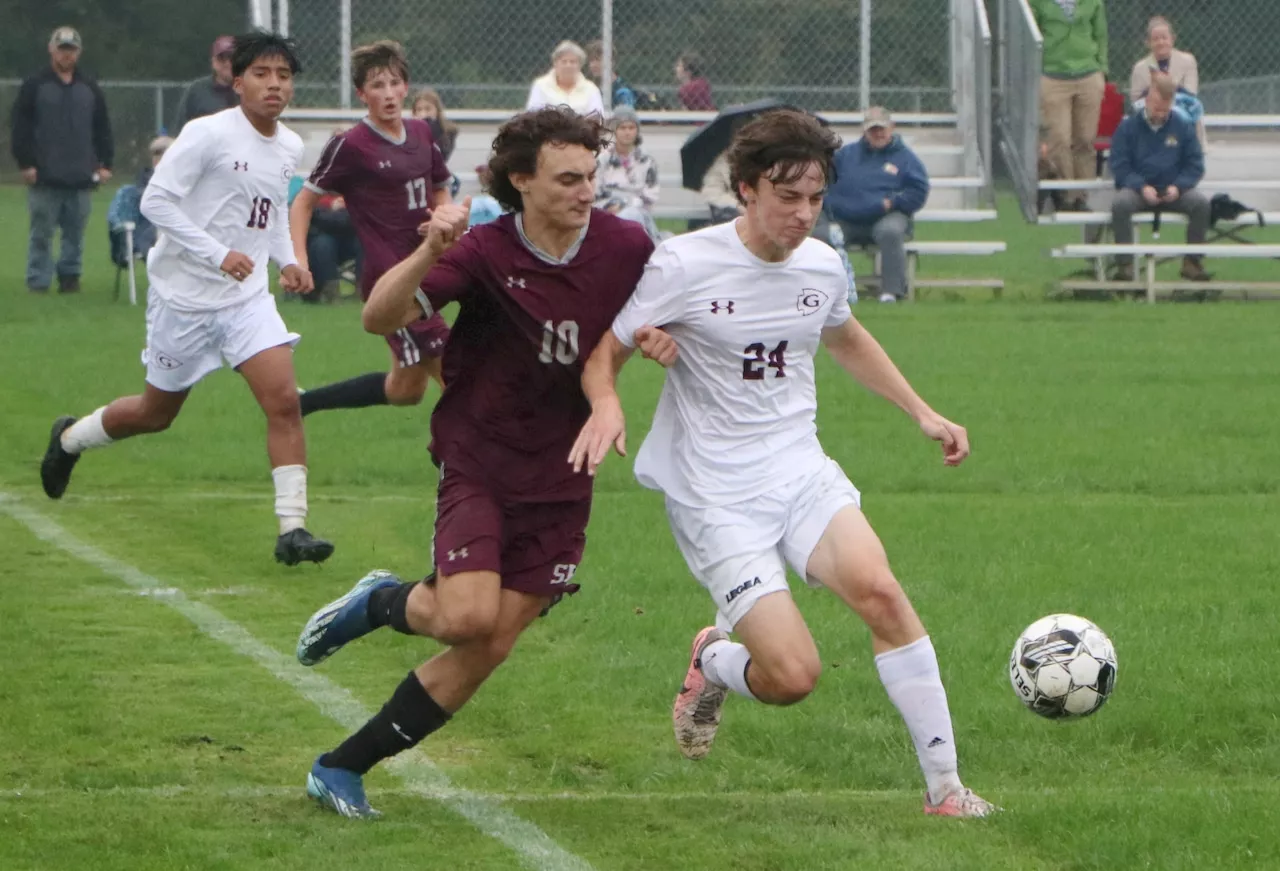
{"points": [[384, 164], [717, 306], [512, 281], [241, 166], [460, 553]]}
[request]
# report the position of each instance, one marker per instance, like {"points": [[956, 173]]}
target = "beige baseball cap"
{"points": [[65, 36], [876, 116]]}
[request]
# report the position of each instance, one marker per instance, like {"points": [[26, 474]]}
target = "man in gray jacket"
{"points": [[61, 140], [212, 93]]}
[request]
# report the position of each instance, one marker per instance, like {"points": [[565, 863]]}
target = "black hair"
{"points": [[263, 44]]}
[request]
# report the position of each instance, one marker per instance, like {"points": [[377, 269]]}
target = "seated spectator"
{"points": [[125, 207], [1163, 57], [428, 106], [1157, 162], [718, 190], [565, 85], [1109, 117], [695, 89], [626, 176], [880, 184], [621, 94], [331, 242], [484, 206]]}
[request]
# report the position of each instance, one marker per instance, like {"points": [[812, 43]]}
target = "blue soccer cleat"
{"points": [[341, 621], [340, 791]]}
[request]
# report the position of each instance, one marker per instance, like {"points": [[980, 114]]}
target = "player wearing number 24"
{"points": [[536, 290], [734, 448]]}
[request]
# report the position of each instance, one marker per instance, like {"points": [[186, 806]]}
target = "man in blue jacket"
{"points": [[880, 184], [1157, 162]]}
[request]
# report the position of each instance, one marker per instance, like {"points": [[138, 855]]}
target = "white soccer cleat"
{"points": [[963, 802]]}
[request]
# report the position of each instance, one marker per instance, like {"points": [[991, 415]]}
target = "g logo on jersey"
{"points": [[810, 300], [164, 361], [286, 173]]}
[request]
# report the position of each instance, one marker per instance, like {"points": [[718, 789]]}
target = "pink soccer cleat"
{"points": [[696, 713], [963, 802]]}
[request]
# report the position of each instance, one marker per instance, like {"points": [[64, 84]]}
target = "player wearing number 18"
{"points": [[217, 199], [536, 290], [734, 446]]}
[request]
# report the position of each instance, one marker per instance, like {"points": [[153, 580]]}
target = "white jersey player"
{"points": [[737, 312], [219, 199]]}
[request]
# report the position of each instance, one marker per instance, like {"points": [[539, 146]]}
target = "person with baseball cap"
{"points": [[209, 94], [61, 140]]}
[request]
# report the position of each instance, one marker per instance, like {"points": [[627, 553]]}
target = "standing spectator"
{"points": [[880, 183], [565, 85], [1072, 84], [695, 90], [62, 142], [621, 94], [1180, 65], [1157, 162], [212, 93], [626, 176], [428, 106]]}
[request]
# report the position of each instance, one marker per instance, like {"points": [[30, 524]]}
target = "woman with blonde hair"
{"points": [[1180, 65], [428, 106], [565, 85]]}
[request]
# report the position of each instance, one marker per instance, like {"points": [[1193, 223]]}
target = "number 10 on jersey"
{"points": [[559, 342]]}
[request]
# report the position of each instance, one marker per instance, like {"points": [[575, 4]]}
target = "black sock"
{"points": [[409, 716], [387, 606], [359, 392]]}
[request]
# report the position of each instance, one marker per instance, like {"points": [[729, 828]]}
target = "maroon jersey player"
{"points": [[536, 291], [390, 173]]}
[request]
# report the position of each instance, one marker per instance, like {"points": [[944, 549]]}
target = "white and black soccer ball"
{"points": [[1063, 666]]}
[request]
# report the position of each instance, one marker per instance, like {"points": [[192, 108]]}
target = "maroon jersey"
{"points": [[513, 403], [388, 188]]}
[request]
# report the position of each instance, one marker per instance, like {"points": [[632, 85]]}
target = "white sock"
{"points": [[910, 675], [85, 433], [725, 664], [291, 496]]}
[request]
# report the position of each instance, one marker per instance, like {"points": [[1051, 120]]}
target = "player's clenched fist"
{"points": [[447, 225], [238, 266]]}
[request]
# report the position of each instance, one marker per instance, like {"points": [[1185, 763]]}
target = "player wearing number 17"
{"points": [[536, 290], [734, 447], [217, 199]]}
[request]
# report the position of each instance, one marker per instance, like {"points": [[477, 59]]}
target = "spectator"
{"points": [[428, 106], [719, 192], [1180, 65], [1110, 114], [212, 93], [124, 207], [1072, 84], [626, 176], [621, 94], [880, 184], [565, 85], [1157, 162], [61, 140], [484, 206], [695, 90], [155, 150]]}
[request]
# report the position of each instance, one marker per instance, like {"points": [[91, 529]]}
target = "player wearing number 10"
{"points": [[734, 447], [217, 199], [536, 290]]}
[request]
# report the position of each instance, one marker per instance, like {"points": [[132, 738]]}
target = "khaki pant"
{"points": [[1069, 110]]}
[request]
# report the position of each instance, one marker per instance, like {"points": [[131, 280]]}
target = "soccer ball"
{"points": [[1063, 666]]}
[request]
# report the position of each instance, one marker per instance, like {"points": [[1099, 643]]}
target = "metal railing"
{"points": [[1018, 115], [971, 87]]}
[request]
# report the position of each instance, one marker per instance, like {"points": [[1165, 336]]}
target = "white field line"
{"points": [[419, 773], [242, 496]]}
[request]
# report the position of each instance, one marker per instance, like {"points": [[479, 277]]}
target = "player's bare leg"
{"points": [[407, 385], [270, 376], [423, 703], [151, 411], [850, 561]]}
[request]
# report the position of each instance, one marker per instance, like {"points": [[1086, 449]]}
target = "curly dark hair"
{"points": [[516, 147], [261, 44], [385, 54], [780, 145]]}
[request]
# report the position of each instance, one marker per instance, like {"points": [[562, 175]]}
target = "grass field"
{"points": [[1124, 468]]}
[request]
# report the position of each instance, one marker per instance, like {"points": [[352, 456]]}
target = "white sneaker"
{"points": [[888, 297]]}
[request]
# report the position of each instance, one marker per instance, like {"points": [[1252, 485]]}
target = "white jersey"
{"points": [[221, 187], [737, 415]]}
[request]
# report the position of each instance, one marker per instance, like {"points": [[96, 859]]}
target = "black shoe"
{"points": [[55, 468], [299, 546], [68, 284]]}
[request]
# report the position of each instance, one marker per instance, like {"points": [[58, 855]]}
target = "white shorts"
{"points": [[184, 346], [740, 552]]}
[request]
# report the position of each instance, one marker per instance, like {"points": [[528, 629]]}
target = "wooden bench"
{"points": [[1147, 255], [951, 249]]}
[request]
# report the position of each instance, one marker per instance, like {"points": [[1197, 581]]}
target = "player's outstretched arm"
{"points": [[607, 425], [394, 300], [861, 356]]}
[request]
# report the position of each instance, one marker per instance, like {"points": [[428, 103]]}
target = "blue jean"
{"points": [[890, 235], [66, 209]]}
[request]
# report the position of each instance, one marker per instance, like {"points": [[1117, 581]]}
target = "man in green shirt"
{"points": [[1072, 83]]}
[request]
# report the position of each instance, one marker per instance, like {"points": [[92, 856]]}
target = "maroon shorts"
{"points": [[534, 546], [421, 340]]}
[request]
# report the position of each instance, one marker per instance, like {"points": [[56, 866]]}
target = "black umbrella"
{"points": [[706, 144]]}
